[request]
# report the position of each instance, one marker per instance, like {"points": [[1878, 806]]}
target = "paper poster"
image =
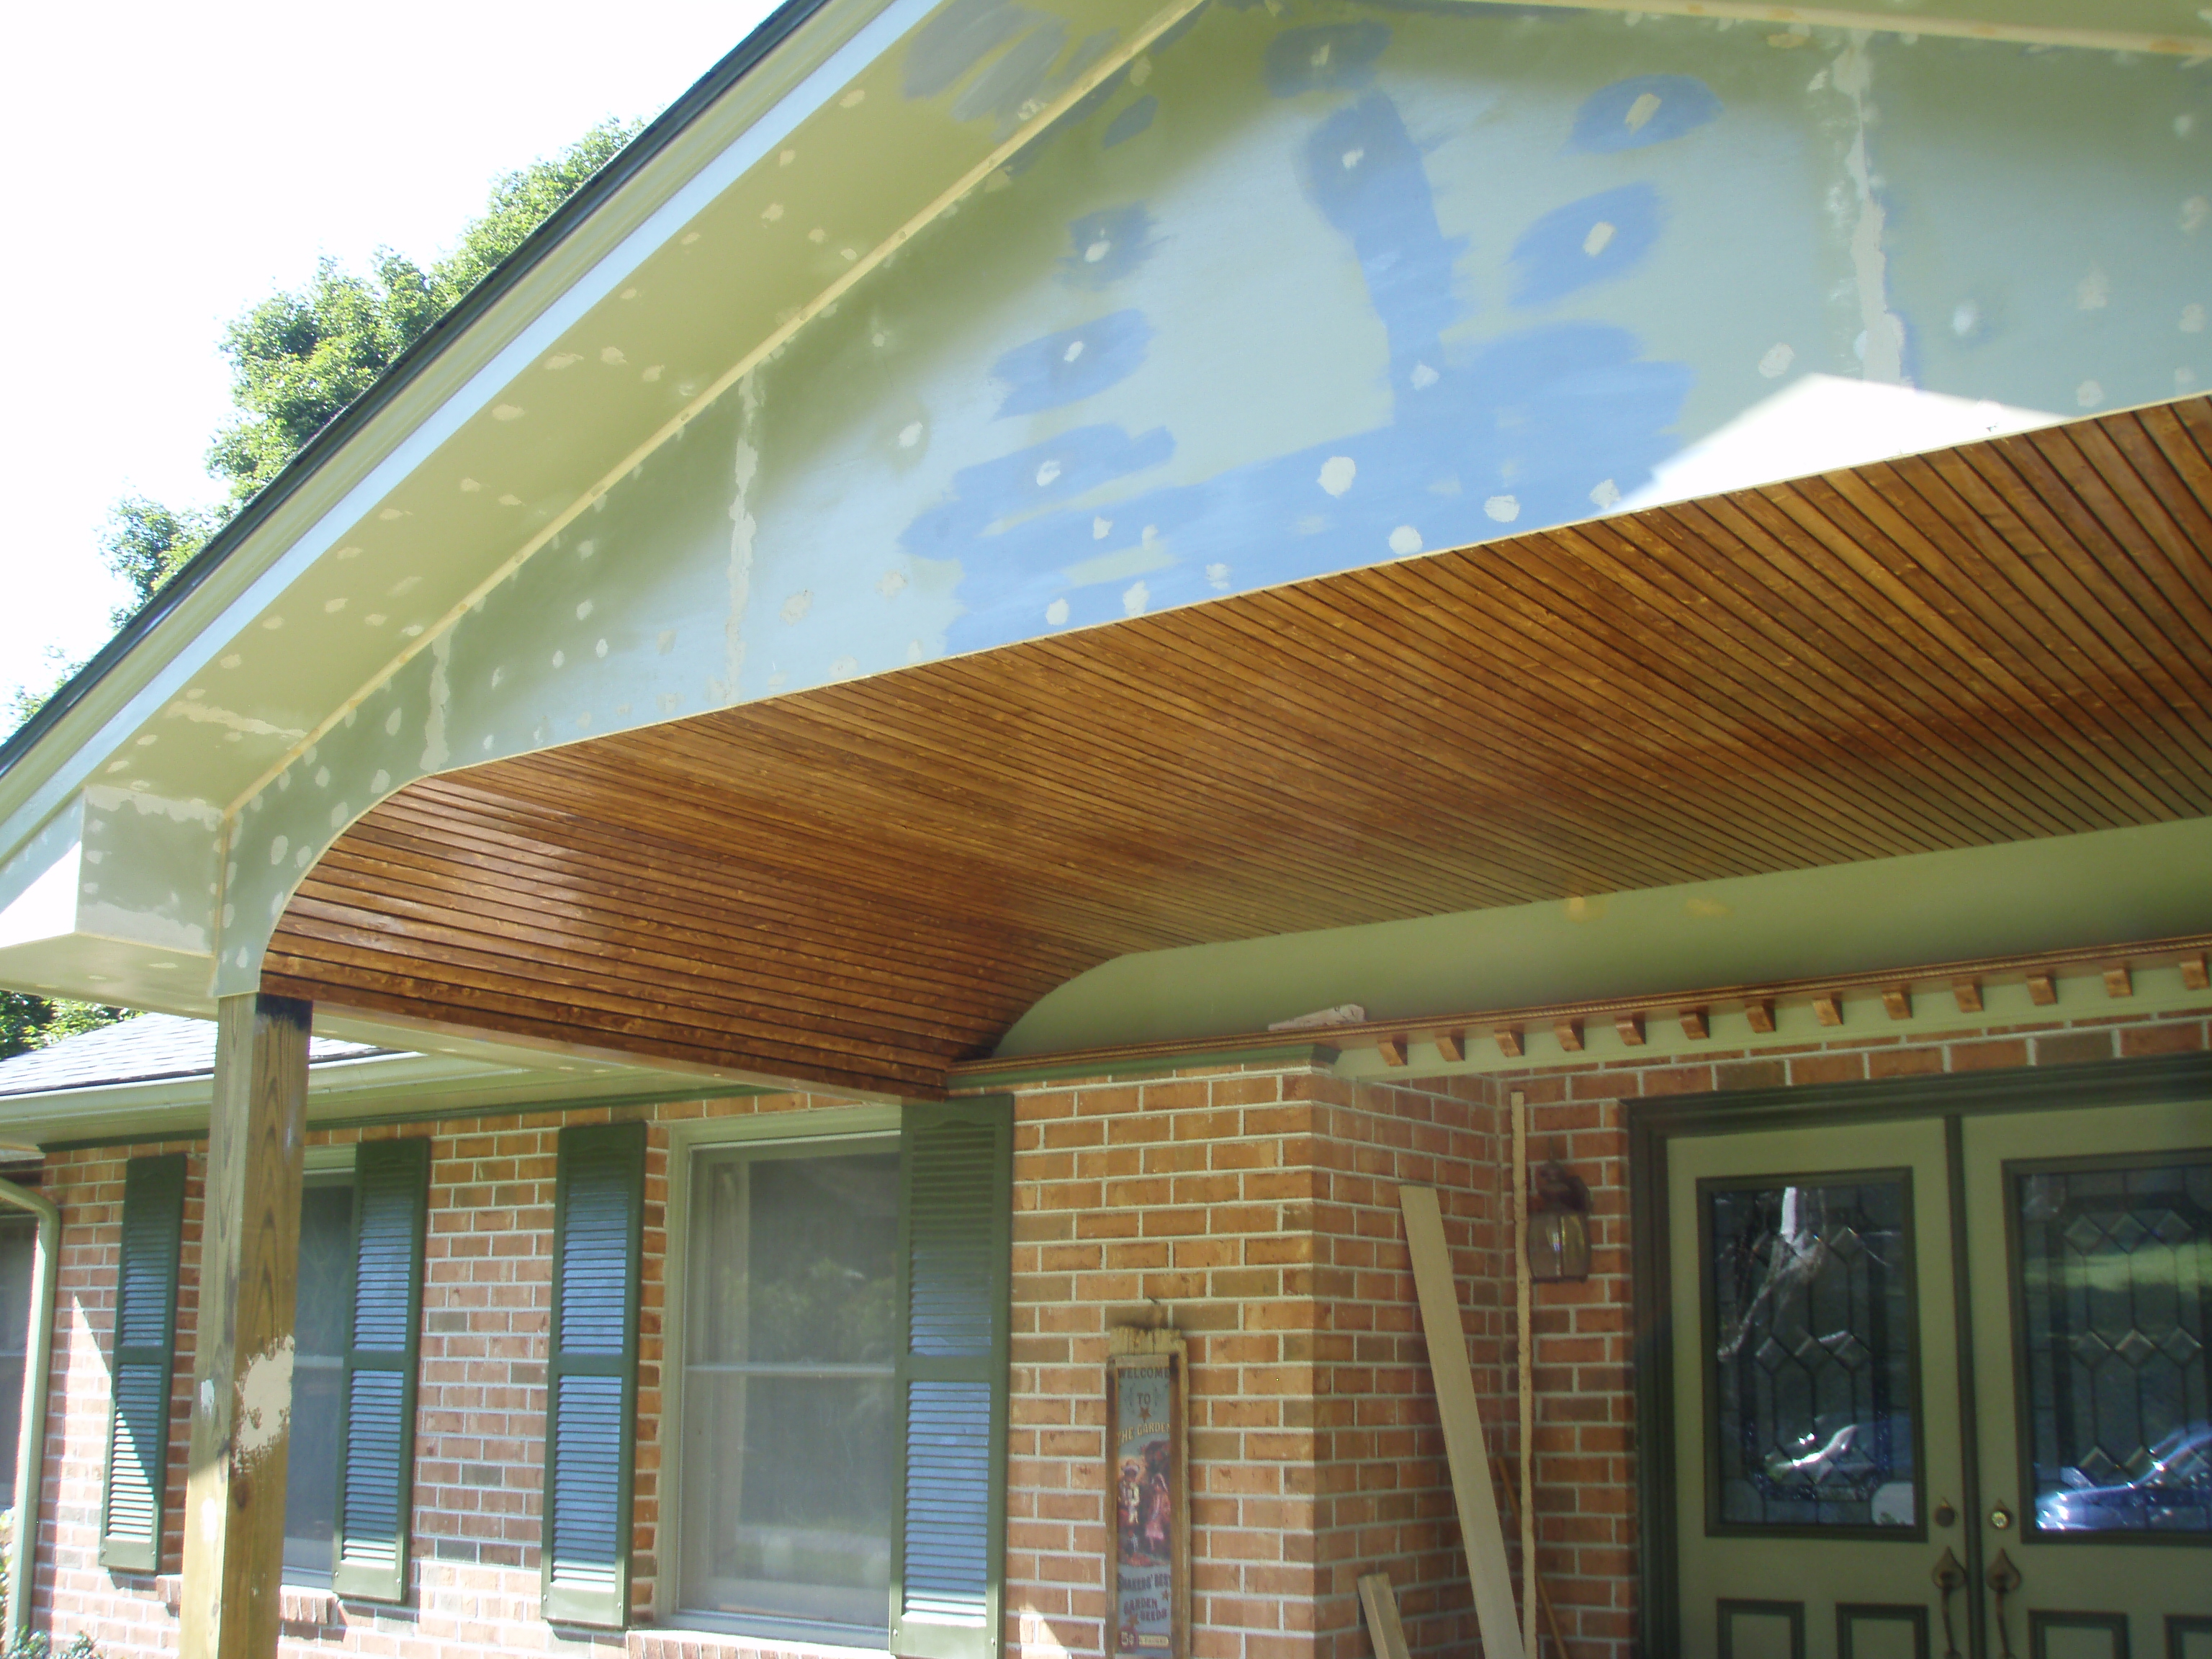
{"points": [[1146, 1497]]}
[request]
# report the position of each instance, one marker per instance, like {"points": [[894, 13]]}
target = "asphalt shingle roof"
{"points": [[142, 1050]]}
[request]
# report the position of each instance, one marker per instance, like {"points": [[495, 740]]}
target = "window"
{"points": [[790, 1369], [349, 1465], [320, 1325], [19, 1238], [836, 1376]]}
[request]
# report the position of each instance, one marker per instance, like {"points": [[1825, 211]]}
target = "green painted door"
{"points": [[1964, 1349]]}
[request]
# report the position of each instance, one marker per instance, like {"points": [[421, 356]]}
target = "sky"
{"points": [[177, 164]]}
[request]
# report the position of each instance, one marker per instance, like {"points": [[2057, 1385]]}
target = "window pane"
{"points": [[18, 1248], [2116, 1277], [788, 1423], [319, 1336], [1810, 1396]]}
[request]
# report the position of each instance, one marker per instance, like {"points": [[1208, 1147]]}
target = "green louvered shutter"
{"points": [[948, 1551], [145, 1345], [599, 1218], [392, 1183]]}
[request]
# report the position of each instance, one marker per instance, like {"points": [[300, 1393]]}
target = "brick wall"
{"points": [[120, 1610], [480, 1401], [1255, 1208]]}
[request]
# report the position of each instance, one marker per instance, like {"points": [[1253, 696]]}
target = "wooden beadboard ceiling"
{"points": [[856, 885]]}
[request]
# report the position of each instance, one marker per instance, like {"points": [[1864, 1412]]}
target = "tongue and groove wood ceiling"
{"points": [[855, 886]]}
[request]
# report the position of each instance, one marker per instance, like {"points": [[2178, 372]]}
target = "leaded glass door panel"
{"points": [[1870, 1403], [1815, 1265], [2090, 1257]]}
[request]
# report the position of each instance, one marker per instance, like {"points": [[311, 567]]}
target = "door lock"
{"points": [[2001, 1518]]}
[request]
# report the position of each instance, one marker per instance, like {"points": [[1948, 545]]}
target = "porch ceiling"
{"points": [[859, 885]]}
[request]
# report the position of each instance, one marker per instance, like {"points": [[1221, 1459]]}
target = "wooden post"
{"points": [[242, 1356]]}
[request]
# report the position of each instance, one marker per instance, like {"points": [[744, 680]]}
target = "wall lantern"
{"points": [[1559, 1224]]}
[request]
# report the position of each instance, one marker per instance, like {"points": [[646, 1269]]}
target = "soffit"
{"points": [[860, 885]]}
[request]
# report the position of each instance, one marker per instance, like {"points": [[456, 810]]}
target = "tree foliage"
{"points": [[146, 542], [28, 1022], [297, 360]]}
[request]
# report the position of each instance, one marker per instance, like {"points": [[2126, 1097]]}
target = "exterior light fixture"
{"points": [[1559, 1224]]}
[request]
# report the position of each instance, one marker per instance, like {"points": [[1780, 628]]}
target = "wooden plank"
{"points": [[242, 1359], [2037, 599], [1475, 1499], [1385, 1634]]}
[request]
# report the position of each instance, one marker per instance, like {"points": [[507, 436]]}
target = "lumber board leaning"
{"points": [[1472, 1492], [1380, 1603]]}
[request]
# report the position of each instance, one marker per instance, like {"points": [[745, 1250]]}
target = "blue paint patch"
{"points": [[1130, 122], [1044, 474], [1109, 244], [1513, 434], [1333, 58], [1642, 110], [959, 37], [1591, 241], [1073, 364], [1363, 173], [1016, 78]]}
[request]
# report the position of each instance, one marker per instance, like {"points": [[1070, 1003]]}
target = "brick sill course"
{"points": [[299, 1604]]}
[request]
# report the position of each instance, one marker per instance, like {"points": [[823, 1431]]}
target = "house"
{"points": [[1044, 650]]}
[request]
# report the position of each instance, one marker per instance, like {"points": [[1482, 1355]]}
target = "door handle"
{"points": [[1950, 1577], [2005, 1578]]}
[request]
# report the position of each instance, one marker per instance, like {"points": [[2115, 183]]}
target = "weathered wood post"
{"points": [[242, 1359]]}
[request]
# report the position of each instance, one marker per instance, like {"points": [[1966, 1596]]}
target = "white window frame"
{"points": [[821, 1128]]}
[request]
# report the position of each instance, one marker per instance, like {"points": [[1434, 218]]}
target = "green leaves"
{"points": [[299, 358], [146, 542], [27, 1022]]}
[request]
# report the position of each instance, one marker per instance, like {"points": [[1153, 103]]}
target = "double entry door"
{"points": [[1939, 1386]]}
